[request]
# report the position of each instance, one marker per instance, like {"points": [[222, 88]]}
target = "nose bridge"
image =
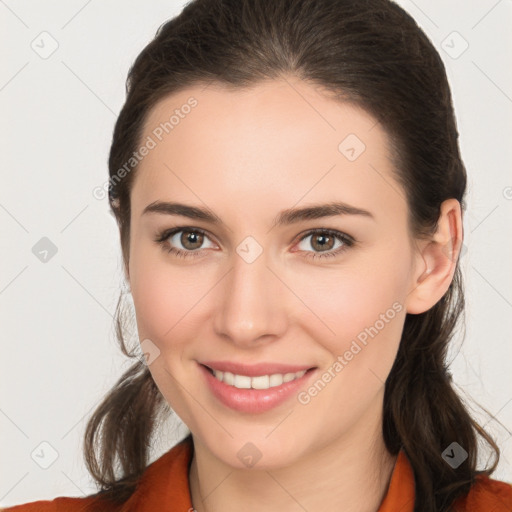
{"points": [[252, 305]]}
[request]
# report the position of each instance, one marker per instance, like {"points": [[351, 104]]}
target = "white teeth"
{"points": [[260, 382]]}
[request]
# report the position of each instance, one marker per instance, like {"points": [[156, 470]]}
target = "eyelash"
{"points": [[163, 236]]}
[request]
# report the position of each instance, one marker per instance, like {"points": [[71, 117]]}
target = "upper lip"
{"points": [[254, 370]]}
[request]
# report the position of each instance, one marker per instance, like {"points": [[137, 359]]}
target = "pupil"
{"points": [[323, 239], [190, 236]]}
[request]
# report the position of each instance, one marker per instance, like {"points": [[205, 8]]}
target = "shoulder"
{"points": [[65, 504], [164, 480], [486, 495]]}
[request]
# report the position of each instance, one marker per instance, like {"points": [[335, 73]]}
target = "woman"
{"points": [[288, 186]]}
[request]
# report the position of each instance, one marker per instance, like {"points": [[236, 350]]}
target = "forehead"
{"points": [[280, 140]]}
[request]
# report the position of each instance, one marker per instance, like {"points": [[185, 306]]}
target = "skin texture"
{"points": [[247, 155]]}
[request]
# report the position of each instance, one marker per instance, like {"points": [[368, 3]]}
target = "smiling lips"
{"points": [[253, 388], [255, 370]]}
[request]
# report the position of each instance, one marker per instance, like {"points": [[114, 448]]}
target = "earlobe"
{"points": [[437, 260]]}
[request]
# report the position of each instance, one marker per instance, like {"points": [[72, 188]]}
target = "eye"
{"points": [[325, 240], [191, 239]]}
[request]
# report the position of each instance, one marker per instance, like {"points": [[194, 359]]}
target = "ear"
{"points": [[436, 260]]}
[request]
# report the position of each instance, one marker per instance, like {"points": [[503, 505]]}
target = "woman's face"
{"points": [[256, 290]]}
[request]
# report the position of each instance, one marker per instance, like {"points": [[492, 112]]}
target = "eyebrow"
{"points": [[286, 217]]}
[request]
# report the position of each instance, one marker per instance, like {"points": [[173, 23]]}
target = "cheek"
{"points": [[164, 299], [159, 291], [356, 305]]}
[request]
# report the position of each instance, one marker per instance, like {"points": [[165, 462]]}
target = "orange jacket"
{"points": [[165, 483]]}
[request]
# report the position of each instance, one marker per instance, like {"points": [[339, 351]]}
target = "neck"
{"points": [[350, 474]]}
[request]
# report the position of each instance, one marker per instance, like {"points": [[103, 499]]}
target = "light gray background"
{"points": [[59, 355]]}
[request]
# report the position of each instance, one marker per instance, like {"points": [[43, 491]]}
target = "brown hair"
{"points": [[373, 54]]}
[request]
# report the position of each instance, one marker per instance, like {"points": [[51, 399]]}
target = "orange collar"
{"points": [[166, 481], [401, 490]]}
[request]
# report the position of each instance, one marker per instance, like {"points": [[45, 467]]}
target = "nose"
{"points": [[252, 303]]}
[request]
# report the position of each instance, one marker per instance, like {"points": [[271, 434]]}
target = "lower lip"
{"points": [[253, 400]]}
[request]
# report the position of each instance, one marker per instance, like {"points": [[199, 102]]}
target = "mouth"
{"points": [[211, 370], [254, 394], [264, 381]]}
